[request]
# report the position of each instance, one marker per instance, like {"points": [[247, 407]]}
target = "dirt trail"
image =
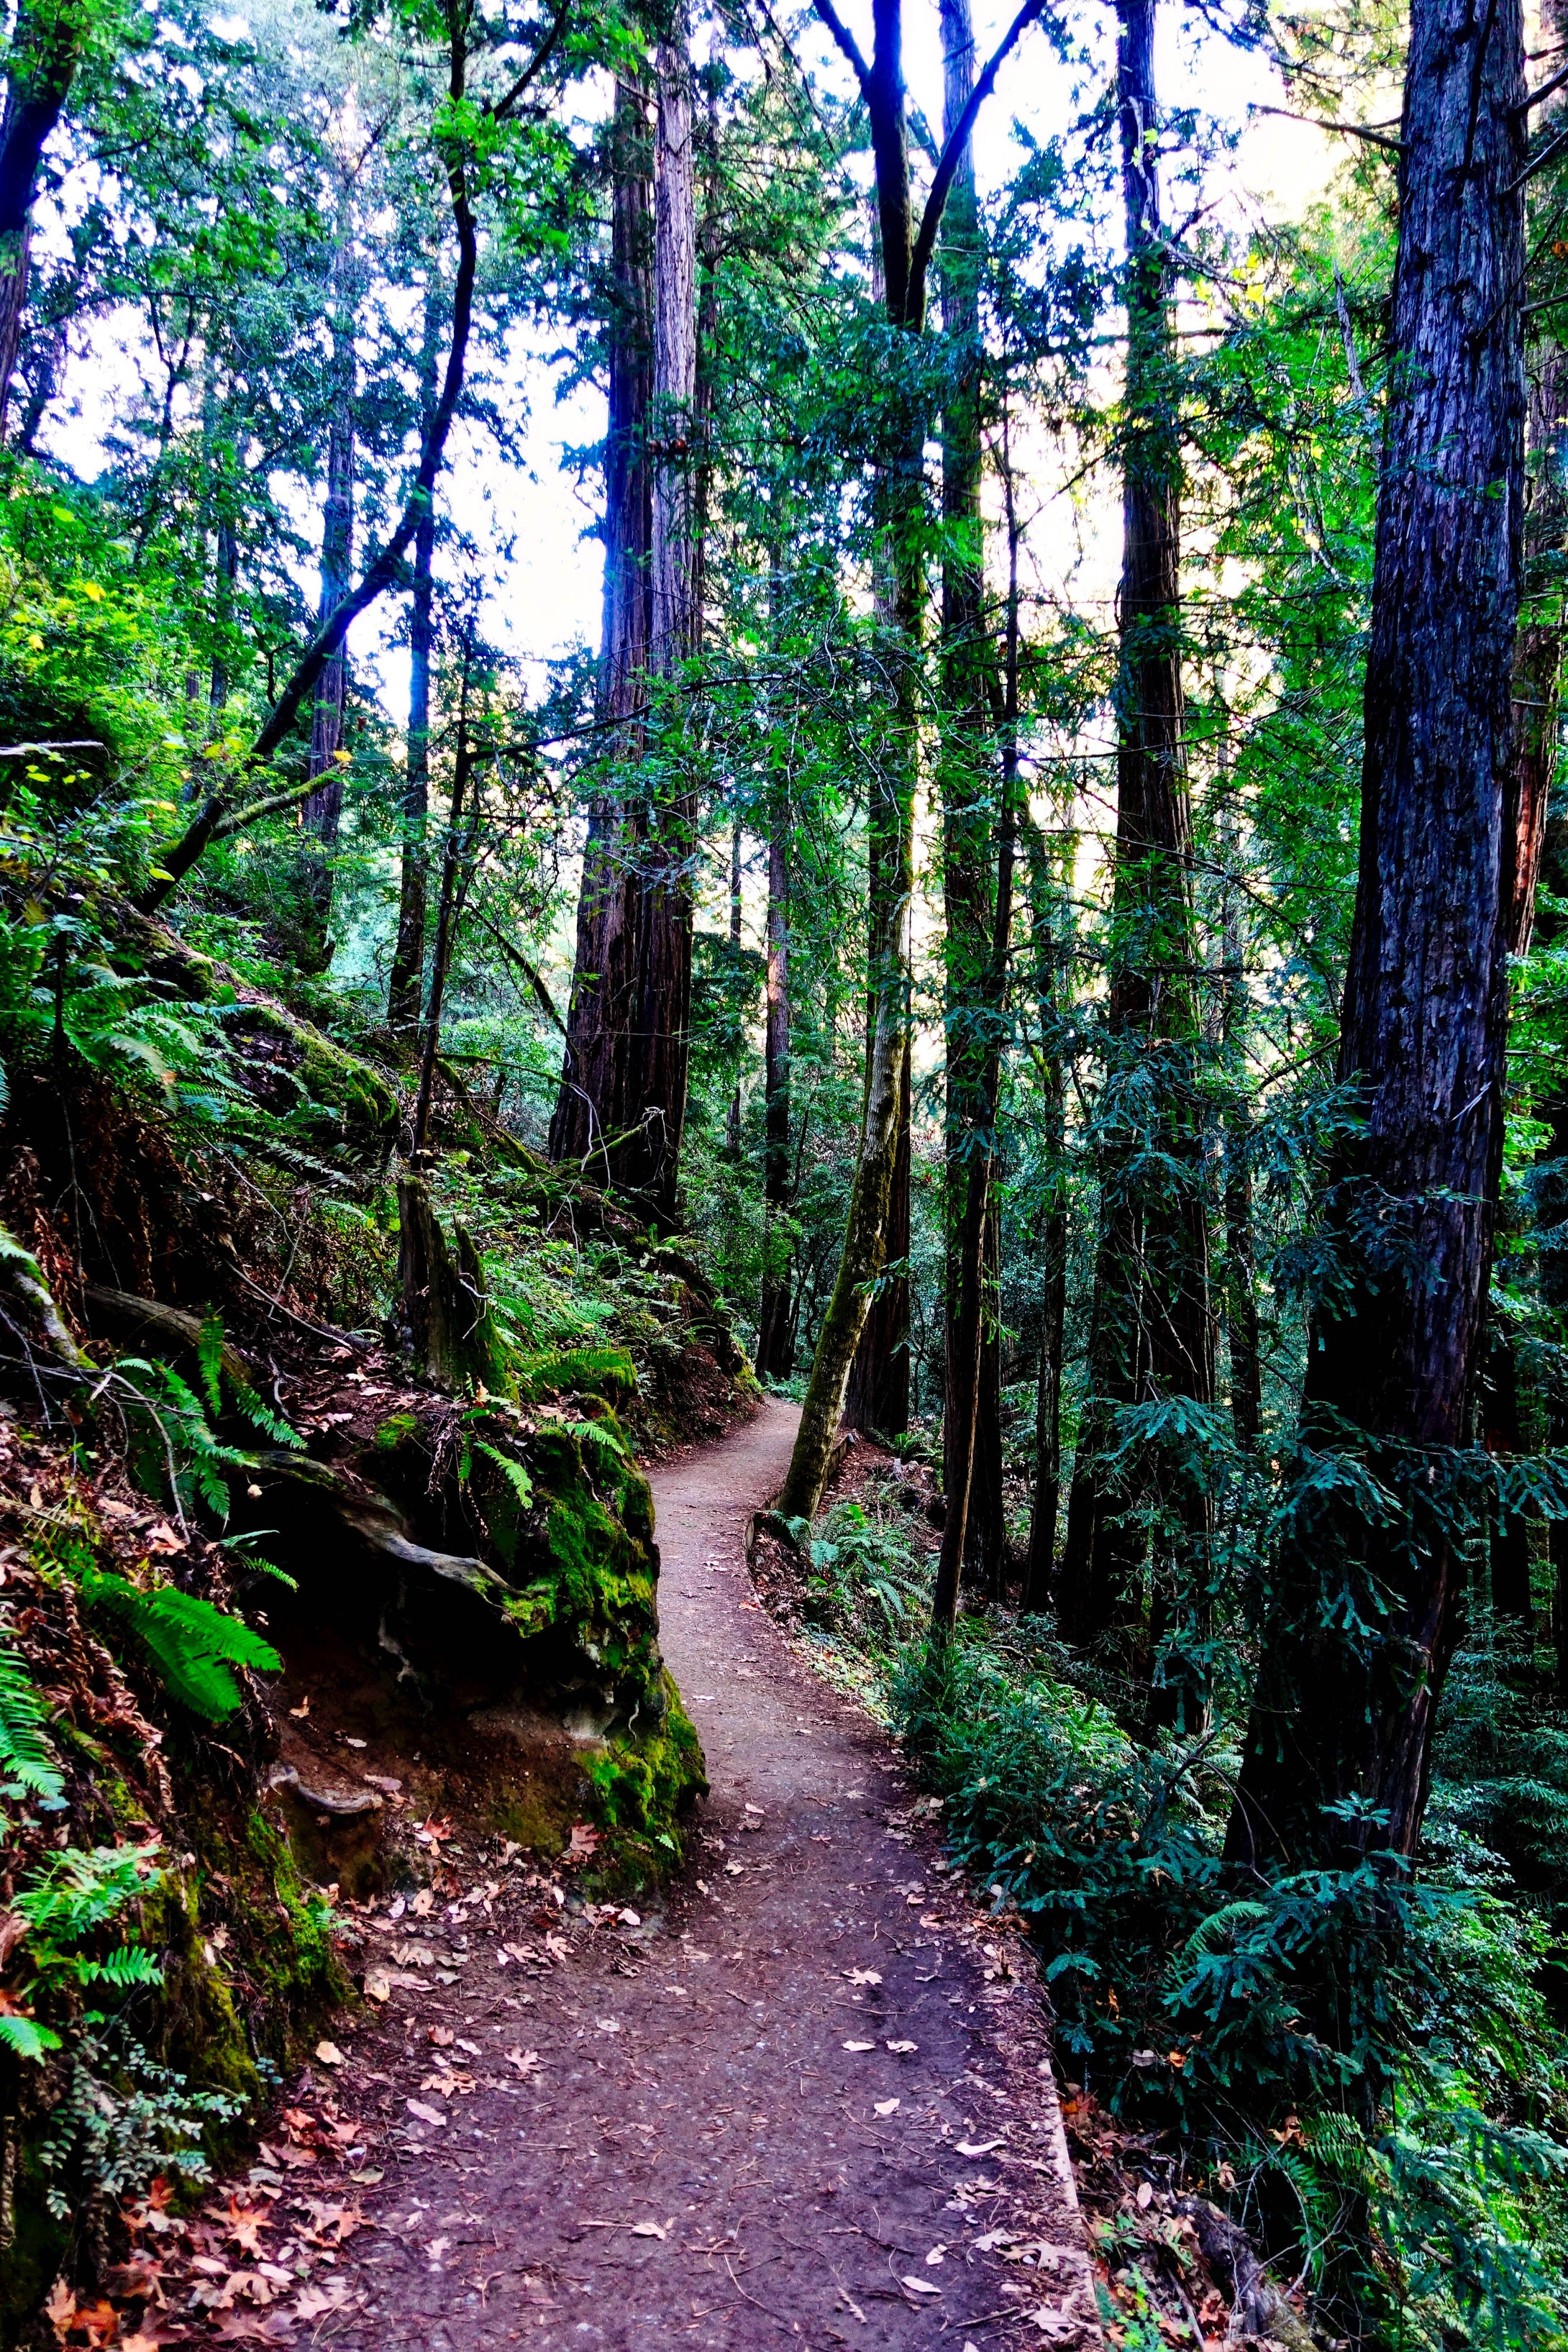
{"points": [[726, 2139]]}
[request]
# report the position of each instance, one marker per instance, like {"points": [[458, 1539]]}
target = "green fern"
{"points": [[189, 1457], [27, 2038], [601, 1368], [209, 1360], [516, 1476], [1212, 1935], [25, 1751], [192, 1644]]}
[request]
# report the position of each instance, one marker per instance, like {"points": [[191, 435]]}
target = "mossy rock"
{"points": [[297, 1073], [644, 1780]]}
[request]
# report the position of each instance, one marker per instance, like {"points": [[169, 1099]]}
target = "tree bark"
{"points": [[964, 1381], [1150, 1332], [408, 954], [591, 1109], [1045, 1497], [461, 830], [775, 1344], [877, 1191], [407, 973], [1240, 1289], [665, 900], [623, 1094], [1343, 1719], [45, 50], [965, 781]]}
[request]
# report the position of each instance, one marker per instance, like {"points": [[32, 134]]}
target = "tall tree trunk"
{"points": [[321, 814], [1046, 1494], [661, 1044], [965, 783], [623, 1089], [1240, 1290], [462, 825], [1342, 1721], [879, 1190], [1149, 1334], [965, 1386], [591, 1110], [408, 954], [775, 1345], [732, 1122], [45, 50]]}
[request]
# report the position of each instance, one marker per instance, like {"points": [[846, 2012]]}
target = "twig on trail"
{"points": [[751, 2299]]}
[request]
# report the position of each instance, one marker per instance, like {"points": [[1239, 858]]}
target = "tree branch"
{"points": [[845, 40], [498, 111], [1350, 130], [953, 152]]}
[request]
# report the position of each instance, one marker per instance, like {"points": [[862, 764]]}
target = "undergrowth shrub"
{"points": [[1323, 2043], [867, 1578]]}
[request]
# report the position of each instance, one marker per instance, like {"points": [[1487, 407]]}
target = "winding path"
{"points": [[764, 2112]]}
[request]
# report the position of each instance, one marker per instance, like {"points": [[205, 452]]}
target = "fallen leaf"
{"points": [[902, 2049], [884, 2107], [859, 2046], [303, 1709], [368, 2179], [377, 1985], [442, 2036], [584, 1841], [426, 2115], [647, 2229], [609, 2025], [423, 1903], [240, 2224], [937, 2254], [450, 2086], [920, 2285], [864, 1976], [527, 2061], [329, 2054], [60, 2308], [977, 2147], [141, 2342]]}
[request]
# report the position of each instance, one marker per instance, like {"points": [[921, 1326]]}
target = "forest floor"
{"points": [[809, 2097]]}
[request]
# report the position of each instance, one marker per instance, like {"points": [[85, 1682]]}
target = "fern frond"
{"points": [[25, 1750], [209, 1359], [192, 1644], [515, 1474], [26, 2037]]}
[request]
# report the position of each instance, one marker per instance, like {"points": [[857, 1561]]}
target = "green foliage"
{"points": [[26, 1754], [193, 1645], [1326, 2033], [68, 1902], [866, 1579]]}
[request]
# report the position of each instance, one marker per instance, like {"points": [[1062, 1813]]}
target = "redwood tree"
{"points": [[1149, 1336], [1365, 1612], [622, 1101]]}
